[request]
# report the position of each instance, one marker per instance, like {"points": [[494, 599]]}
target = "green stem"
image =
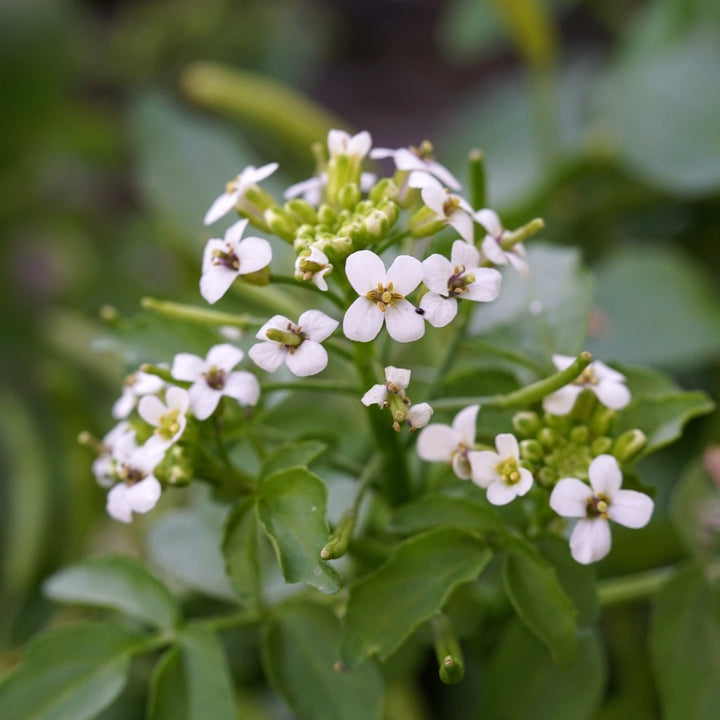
{"points": [[522, 233], [290, 280], [461, 325], [313, 386], [226, 622], [203, 316], [527, 395], [392, 240], [477, 180]]}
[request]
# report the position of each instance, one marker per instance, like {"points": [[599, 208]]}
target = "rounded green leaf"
{"points": [[240, 552], [119, 583], [293, 454]]}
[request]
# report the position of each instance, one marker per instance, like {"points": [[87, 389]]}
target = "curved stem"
{"points": [[327, 294], [392, 240], [201, 315]]}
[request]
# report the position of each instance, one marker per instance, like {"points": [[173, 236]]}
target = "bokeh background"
{"points": [[120, 124]]}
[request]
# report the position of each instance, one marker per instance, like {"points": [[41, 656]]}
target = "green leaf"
{"points": [[119, 583], [240, 550], [539, 599], [293, 454], [659, 308], [386, 606], [663, 417], [71, 673], [192, 680], [301, 648], [522, 682], [443, 509], [292, 505], [685, 646]]}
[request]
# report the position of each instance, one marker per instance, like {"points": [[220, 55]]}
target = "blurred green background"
{"points": [[602, 116]]}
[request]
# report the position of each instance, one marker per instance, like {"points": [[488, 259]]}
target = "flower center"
{"points": [[451, 205], [215, 377], [168, 425], [458, 282], [384, 297], [290, 339], [462, 451], [424, 152], [508, 470], [226, 259], [587, 377], [598, 506], [130, 475], [232, 186]]}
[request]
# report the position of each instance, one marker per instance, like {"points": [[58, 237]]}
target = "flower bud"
{"points": [[261, 277], [287, 338], [600, 446], [426, 222], [253, 203], [526, 423], [556, 422], [547, 477], [376, 226], [326, 215], [349, 196], [302, 211], [386, 189], [602, 420], [390, 209], [281, 223], [531, 450], [629, 445], [546, 437], [338, 543], [579, 435]]}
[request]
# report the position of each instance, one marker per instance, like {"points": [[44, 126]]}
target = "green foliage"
{"points": [[240, 548]]}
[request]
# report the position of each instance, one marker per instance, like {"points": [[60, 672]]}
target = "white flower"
{"points": [[491, 245], [459, 277], [419, 160], [138, 489], [396, 381], [136, 385], [167, 417], [342, 143], [418, 416], [313, 267], [451, 444], [235, 190], [311, 189], [224, 260], [500, 471], [211, 379], [451, 209], [298, 346], [382, 297], [607, 384], [104, 465], [590, 539]]}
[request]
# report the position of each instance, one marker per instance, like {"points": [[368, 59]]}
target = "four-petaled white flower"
{"points": [[461, 277], [451, 444], [396, 381], [136, 385], [500, 472], [590, 539], [450, 209], [382, 297], [607, 384], [212, 378], [311, 189], [138, 490], [235, 190], [342, 143], [420, 159], [418, 416], [492, 243], [313, 267], [224, 260], [168, 418], [103, 467], [298, 346]]}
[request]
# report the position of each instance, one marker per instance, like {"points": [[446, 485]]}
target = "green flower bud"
{"points": [[531, 450], [376, 226], [338, 543], [326, 215], [391, 211], [546, 437], [629, 445], [526, 423], [302, 211], [600, 446], [602, 420], [253, 203], [557, 422], [579, 435], [281, 223], [288, 338], [584, 405], [547, 477], [349, 196], [426, 222], [386, 189]]}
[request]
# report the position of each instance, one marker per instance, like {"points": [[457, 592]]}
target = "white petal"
{"points": [[486, 286], [439, 311], [337, 142], [562, 401], [367, 180], [235, 232], [441, 172], [151, 409], [224, 356], [309, 358], [203, 400], [187, 367], [507, 446], [482, 463], [254, 253], [419, 415], [252, 175], [631, 509], [124, 405], [403, 323], [500, 493], [604, 372], [437, 443], [363, 320], [146, 383], [376, 395], [514, 255], [463, 224], [613, 395], [221, 206], [421, 178], [461, 467], [397, 376], [434, 197], [215, 282], [590, 540], [177, 399], [490, 221], [381, 153], [493, 252], [605, 475], [268, 355], [437, 270], [143, 496], [525, 482], [465, 424], [364, 270], [360, 144], [464, 253], [569, 498], [117, 505], [276, 322], [406, 273], [407, 160], [243, 387], [310, 189], [316, 325]]}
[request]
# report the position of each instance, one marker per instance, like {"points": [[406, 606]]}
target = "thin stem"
{"points": [[313, 386], [203, 316], [461, 325], [522, 233], [290, 280], [238, 619], [477, 180], [392, 240]]}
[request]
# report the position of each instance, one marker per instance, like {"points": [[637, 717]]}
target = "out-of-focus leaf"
{"points": [[647, 382], [685, 646], [659, 309], [539, 599], [292, 508], [467, 29], [537, 316], [71, 673], [240, 551], [261, 101], [116, 582], [186, 544], [386, 606], [168, 697], [301, 648], [549, 692], [293, 454]]}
